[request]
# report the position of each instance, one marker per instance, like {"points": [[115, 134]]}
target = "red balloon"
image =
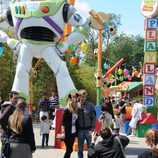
{"points": [[108, 68], [74, 61]]}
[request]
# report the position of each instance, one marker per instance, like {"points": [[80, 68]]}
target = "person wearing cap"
{"points": [[69, 123], [86, 121]]}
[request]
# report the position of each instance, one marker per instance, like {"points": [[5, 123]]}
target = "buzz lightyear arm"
{"points": [[78, 34], [11, 42]]}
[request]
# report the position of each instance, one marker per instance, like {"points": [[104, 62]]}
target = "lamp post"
{"points": [[100, 22]]}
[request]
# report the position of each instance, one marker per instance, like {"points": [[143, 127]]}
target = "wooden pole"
{"points": [[99, 70], [31, 85]]}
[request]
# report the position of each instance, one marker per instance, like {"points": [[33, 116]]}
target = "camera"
{"points": [[97, 134], [102, 117]]}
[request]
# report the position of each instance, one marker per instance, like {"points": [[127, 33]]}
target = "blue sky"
{"points": [[131, 18]]}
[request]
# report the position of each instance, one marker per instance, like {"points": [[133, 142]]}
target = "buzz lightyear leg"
{"points": [[21, 80], [63, 79]]}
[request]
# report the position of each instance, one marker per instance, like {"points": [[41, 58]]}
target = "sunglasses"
{"points": [[16, 98]]}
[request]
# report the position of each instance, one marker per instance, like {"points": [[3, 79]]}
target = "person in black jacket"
{"points": [[151, 138], [86, 121], [7, 109], [109, 147], [21, 133], [1, 100], [107, 115], [69, 123]]}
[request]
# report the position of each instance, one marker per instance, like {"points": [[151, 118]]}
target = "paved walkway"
{"points": [[136, 146]]}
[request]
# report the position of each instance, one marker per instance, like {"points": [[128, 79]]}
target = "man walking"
{"points": [[86, 122]]}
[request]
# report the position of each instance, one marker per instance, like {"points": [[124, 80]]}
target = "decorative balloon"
{"points": [[73, 61], [108, 68], [1, 49], [125, 72], [136, 73], [121, 78], [69, 64], [110, 76], [129, 77], [119, 71], [72, 47], [105, 65], [84, 47]]}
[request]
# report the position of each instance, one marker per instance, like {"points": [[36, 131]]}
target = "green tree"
{"points": [[107, 38], [7, 67], [45, 82], [83, 78], [128, 47]]}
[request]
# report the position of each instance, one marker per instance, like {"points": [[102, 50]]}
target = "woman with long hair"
{"points": [[69, 123], [151, 139], [21, 133]]}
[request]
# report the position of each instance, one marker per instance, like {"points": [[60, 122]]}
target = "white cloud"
{"points": [[83, 8]]}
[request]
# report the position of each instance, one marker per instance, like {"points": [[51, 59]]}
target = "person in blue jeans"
{"points": [[86, 121]]}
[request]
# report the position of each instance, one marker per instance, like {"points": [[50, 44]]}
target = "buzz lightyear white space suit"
{"points": [[39, 25]]}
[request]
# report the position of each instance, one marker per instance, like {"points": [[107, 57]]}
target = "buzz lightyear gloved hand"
{"points": [[61, 48], [11, 42]]}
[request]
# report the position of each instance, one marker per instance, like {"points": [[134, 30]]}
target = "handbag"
{"points": [[124, 156], [60, 137], [6, 150]]}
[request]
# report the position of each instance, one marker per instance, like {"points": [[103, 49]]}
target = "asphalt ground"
{"points": [[136, 146]]}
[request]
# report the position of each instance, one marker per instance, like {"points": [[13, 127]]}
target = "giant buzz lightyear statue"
{"points": [[39, 25]]}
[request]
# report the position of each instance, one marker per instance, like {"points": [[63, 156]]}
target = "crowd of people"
{"points": [[78, 121]]}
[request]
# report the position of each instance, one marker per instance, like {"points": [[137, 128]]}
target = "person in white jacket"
{"points": [[136, 116], [45, 126]]}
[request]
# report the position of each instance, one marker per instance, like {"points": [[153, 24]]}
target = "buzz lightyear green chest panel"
{"points": [[43, 10]]}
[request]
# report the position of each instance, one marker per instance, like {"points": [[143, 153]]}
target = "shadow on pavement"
{"points": [[45, 147]]}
